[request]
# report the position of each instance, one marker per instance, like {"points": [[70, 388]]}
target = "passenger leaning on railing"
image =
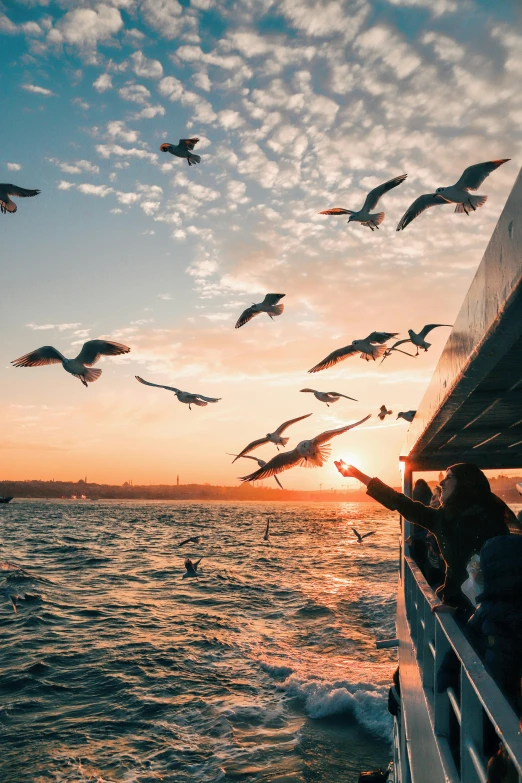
{"points": [[468, 516]]}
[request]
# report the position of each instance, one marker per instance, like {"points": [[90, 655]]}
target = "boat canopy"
{"points": [[472, 409]]}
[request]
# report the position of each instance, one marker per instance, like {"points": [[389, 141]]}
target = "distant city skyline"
{"points": [[300, 106]]}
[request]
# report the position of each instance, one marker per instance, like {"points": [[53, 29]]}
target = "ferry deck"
{"points": [[471, 412]]}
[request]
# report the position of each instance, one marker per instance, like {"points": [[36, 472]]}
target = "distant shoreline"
{"points": [[81, 491]]}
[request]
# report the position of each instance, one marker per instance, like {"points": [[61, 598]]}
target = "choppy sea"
{"points": [[115, 668]]}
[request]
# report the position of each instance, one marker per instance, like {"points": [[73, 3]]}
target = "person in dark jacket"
{"points": [[423, 544], [495, 630], [468, 516]]}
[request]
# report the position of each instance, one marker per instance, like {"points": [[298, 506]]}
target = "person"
{"points": [[423, 544], [468, 516], [495, 629]]}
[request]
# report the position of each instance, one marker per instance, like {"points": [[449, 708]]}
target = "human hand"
{"points": [[344, 469]]}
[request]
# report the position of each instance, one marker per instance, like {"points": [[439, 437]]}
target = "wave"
{"points": [[365, 701]]}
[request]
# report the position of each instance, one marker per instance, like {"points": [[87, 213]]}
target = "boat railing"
{"points": [[470, 720]]}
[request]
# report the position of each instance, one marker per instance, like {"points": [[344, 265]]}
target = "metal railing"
{"points": [[470, 720]]}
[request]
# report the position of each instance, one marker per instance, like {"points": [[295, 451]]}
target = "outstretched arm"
{"points": [[411, 510]]}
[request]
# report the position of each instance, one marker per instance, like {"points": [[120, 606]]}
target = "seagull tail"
{"points": [[91, 374], [277, 309], [284, 441], [472, 202], [195, 158]]}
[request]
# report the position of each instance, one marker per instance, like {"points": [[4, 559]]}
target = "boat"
{"points": [[471, 412], [6, 498]]}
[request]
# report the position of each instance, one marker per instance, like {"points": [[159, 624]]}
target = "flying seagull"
{"points": [[79, 367], [183, 149], [407, 415], [370, 348], [6, 205], [419, 340], [383, 412], [308, 453], [269, 305], [471, 179], [365, 215], [272, 437], [191, 568], [261, 463], [266, 537], [328, 397], [191, 540], [186, 397], [362, 536]]}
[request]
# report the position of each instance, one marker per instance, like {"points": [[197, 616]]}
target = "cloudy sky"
{"points": [[300, 105]]}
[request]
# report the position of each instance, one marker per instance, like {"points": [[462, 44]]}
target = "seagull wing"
{"points": [[45, 355], [427, 329], [272, 299], [278, 482], [207, 399], [93, 349], [374, 195], [335, 357], [189, 144], [399, 342], [380, 337], [189, 565], [267, 531], [338, 394], [286, 424], [14, 190], [473, 177], [419, 205], [157, 385], [282, 461], [246, 456], [247, 316], [336, 211], [356, 533], [186, 541], [365, 535], [251, 446], [324, 437]]}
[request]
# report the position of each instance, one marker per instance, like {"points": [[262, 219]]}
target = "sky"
{"points": [[300, 105]]}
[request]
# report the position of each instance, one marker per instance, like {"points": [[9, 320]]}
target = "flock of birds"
{"points": [[315, 451]]}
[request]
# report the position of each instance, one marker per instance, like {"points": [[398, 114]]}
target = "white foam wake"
{"points": [[322, 698]]}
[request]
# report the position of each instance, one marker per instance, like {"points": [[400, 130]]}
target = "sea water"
{"points": [[115, 668]]}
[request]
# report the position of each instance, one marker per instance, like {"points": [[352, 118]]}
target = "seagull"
{"points": [[266, 537], [362, 536], [191, 568], [370, 348], [308, 453], [186, 397], [11, 596], [365, 215], [191, 540], [260, 462], [272, 437], [328, 397], [471, 179], [418, 340], [269, 305], [6, 205], [383, 412], [79, 367], [406, 415], [183, 149]]}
